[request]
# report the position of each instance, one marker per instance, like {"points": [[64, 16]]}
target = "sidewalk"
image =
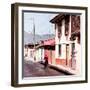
{"points": [[66, 70], [60, 68]]}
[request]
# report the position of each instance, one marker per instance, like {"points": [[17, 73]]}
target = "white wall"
{"points": [[5, 45]]}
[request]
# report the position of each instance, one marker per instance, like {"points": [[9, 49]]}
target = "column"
{"points": [[69, 28], [70, 44], [56, 42], [63, 41], [63, 37], [78, 56], [56, 51], [63, 51], [56, 34]]}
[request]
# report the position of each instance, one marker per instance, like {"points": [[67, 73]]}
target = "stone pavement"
{"points": [[35, 69]]}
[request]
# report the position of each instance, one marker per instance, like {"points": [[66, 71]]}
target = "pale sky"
{"points": [[41, 20]]}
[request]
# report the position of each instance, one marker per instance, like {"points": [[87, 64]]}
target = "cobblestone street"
{"points": [[33, 69]]}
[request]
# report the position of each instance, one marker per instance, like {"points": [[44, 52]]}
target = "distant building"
{"points": [[29, 51], [49, 50], [67, 41], [47, 47], [34, 45]]}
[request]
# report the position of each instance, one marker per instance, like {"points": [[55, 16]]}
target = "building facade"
{"points": [[67, 41], [46, 48], [43, 48], [29, 51]]}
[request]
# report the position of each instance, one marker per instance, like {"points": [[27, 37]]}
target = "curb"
{"points": [[61, 70]]}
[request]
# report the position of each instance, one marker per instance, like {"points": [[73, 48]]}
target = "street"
{"points": [[35, 69]]}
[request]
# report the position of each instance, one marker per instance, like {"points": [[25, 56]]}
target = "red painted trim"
{"points": [[71, 64]]}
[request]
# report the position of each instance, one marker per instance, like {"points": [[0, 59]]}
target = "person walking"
{"points": [[46, 61]]}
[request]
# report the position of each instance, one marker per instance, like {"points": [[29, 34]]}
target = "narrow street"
{"points": [[35, 69]]}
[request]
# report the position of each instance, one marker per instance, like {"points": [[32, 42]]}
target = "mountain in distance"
{"points": [[47, 36], [29, 37]]}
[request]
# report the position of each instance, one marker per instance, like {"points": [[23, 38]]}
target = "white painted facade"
{"points": [[39, 54], [61, 41], [64, 41], [28, 54]]}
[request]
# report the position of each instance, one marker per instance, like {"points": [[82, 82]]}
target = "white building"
{"points": [[67, 41]]}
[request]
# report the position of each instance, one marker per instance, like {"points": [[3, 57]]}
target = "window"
{"points": [[59, 50], [73, 48]]}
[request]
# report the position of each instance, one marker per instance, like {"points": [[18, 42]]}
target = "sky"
{"points": [[41, 21]]}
